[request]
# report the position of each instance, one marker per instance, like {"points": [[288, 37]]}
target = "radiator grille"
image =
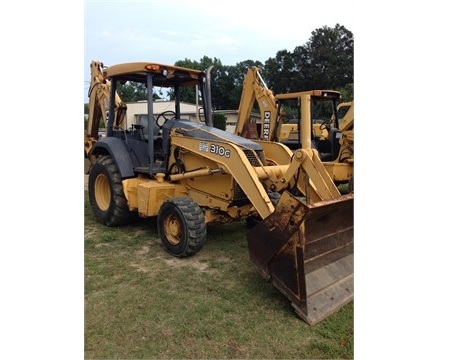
{"points": [[252, 158]]}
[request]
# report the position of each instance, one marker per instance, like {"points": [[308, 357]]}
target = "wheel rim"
{"points": [[102, 192], [173, 230]]}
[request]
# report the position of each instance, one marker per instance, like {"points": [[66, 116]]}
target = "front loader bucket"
{"points": [[306, 251]]}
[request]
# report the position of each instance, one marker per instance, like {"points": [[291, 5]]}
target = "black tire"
{"points": [[181, 226], [105, 189]]}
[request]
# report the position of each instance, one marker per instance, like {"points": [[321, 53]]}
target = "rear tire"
{"points": [[105, 189], [181, 226]]}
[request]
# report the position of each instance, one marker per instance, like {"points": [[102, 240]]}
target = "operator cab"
{"points": [[322, 112], [144, 141]]}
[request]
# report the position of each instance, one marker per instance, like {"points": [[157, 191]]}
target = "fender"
{"points": [[117, 150]]}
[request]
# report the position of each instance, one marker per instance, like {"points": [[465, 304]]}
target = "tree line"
{"points": [[325, 61]]}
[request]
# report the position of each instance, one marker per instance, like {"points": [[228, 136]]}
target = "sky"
{"points": [[166, 31]]}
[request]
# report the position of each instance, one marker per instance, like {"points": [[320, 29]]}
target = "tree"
{"points": [[324, 62], [279, 72], [189, 94], [326, 59], [233, 87], [220, 121], [347, 92], [133, 92], [222, 85]]}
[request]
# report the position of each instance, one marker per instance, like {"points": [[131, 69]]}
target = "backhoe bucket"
{"points": [[306, 251]]}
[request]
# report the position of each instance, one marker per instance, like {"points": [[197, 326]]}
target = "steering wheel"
{"points": [[164, 117], [325, 125]]}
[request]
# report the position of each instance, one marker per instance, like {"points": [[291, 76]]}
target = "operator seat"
{"points": [[331, 151], [156, 132]]}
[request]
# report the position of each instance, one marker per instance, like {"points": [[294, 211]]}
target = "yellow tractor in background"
{"points": [[331, 135], [190, 175]]}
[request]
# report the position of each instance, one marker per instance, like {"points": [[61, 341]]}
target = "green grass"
{"points": [[142, 303]]}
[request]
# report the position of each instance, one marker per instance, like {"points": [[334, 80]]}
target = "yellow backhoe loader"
{"points": [[331, 137], [189, 175]]}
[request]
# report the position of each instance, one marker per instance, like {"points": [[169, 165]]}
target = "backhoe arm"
{"points": [[347, 121], [99, 99], [255, 89]]}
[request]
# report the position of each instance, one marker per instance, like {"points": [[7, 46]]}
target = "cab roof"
{"points": [[316, 94], [163, 75]]}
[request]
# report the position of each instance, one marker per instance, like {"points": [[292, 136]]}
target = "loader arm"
{"points": [[233, 162], [305, 169], [307, 172]]}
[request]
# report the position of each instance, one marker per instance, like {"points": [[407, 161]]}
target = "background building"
{"points": [[137, 113]]}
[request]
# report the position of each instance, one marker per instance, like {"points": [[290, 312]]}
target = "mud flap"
{"points": [[306, 251]]}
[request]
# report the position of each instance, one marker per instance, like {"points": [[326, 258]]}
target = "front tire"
{"points": [[105, 189], [182, 227]]}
